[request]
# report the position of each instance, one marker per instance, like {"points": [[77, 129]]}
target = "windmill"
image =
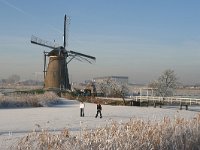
{"points": [[56, 75]]}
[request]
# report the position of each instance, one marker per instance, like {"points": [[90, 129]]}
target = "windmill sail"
{"points": [[84, 55], [65, 21], [38, 41]]}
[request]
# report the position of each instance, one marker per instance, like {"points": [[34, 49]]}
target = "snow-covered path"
{"points": [[15, 123]]}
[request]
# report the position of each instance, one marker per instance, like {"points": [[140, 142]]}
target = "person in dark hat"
{"points": [[99, 108]]}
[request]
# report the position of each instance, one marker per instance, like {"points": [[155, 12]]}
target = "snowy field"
{"points": [[16, 123]]}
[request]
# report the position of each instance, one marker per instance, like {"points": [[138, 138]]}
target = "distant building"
{"points": [[118, 79]]}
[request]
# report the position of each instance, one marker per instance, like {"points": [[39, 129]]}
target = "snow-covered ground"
{"points": [[15, 123]]}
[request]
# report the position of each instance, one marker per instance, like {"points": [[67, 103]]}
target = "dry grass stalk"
{"points": [[136, 134]]}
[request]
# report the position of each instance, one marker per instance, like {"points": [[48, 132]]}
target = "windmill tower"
{"points": [[56, 75]]}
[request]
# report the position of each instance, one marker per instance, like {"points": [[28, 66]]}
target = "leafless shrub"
{"points": [[136, 134], [28, 100]]}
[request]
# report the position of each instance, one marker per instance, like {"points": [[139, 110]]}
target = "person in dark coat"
{"points": [[99, 108]]}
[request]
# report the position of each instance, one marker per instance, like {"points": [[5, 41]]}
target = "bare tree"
{"points": [[120, 90], [113, 89], [103, 88], [166, 84]]}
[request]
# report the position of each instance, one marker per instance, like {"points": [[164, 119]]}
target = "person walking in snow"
{"points": [[82, 106], [99, 108]]}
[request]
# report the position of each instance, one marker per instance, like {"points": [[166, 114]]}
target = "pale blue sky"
{"points": [[135, 38]]}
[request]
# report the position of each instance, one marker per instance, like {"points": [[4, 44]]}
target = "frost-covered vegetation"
{"points": [[166, 84], [136, 134], [28, 100]]}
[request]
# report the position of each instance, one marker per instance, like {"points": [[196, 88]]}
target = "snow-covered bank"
{"points": [[18, 122]]}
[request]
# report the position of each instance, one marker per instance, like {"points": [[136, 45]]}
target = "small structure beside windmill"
{"points": [[56, 75]]}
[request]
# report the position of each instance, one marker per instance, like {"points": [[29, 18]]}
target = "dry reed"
{"points": [[177, 134]]}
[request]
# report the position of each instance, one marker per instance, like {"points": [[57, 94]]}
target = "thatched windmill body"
{"points": [[56, 75]]}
